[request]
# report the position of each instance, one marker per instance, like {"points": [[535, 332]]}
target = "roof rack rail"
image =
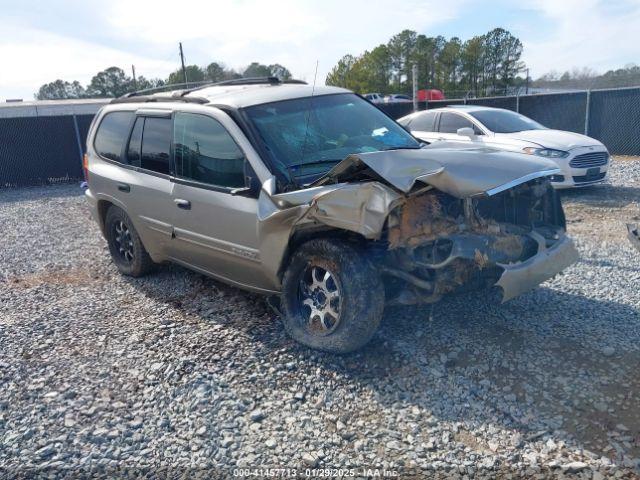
{"points": [[244, 81], [158, 98], [194, 86]]}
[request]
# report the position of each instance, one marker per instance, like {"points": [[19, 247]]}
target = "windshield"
{"points": [[505, 121], [308, 136]]}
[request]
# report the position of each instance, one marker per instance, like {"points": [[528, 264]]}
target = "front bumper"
{"points": [[521, 277], [580, 177]]}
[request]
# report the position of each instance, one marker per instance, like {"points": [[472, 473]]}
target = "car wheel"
{"points": [[332, 297], [125, 245]]}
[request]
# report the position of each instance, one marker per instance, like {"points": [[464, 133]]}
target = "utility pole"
{"points": [[184, 71], [414, 74], [526, 91], [135, 82]]}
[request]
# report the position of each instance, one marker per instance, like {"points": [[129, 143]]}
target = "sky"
{"points": [[41, 41]]}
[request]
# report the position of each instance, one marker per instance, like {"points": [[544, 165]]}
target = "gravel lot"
{"points": [[176, 371]]}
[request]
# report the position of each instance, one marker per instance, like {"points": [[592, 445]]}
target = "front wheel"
{"points": [[332, 297]]}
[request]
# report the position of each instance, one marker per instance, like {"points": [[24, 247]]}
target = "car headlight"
{"points": [[545, 152]]}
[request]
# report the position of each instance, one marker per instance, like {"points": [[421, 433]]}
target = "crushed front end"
{"points": [[436, 244]]}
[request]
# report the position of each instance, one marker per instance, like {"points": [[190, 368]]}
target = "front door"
{"points": [[215, 226], [450, 123]]}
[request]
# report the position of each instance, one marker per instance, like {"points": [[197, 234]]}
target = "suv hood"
{"points": [[557, 139], [460, 172]]}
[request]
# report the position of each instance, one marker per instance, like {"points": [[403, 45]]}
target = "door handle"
{"points": [[123, 187], [183, 204]]}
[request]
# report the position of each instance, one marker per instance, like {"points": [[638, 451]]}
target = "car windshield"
{"points": [[505, 121], [310, 135]]}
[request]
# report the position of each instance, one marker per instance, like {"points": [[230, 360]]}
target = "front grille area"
{"points": [[588, 160], [587, 178]]}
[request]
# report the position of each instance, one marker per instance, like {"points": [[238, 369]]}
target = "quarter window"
{"points": [[450, 122], [206, 152], [156, 145], [112, 134]]}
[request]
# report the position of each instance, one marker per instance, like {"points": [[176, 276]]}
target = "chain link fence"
{"points": [[611, 116]]}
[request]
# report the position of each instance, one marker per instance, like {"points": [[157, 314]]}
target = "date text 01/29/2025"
{"points": [[314, 472]]}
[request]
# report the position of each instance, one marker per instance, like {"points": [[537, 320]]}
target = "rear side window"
{"points": [[156, 145], [450, 122], [112, 135], [206, 152], [423, 122], [135, 143]]}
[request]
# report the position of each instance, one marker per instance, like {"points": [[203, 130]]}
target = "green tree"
{"points": [[401, 51], [194, 74], [112, 82], [61, 89], [143, 83], [340, 74], [472, 64], [450, 62], [256, 69], [277, 70], [217, 72]]}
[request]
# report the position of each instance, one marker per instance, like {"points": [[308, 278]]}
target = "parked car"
{"points": [[374, 97], [327, 206], [582, 160], [397, 98]]}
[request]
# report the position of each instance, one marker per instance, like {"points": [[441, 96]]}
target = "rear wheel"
{"points": [[125, 245], [332, 297]]}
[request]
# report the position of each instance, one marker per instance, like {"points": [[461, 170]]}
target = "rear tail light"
{"points": [[85, 167]]}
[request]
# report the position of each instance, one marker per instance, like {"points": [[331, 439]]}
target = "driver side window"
{"points": [[206, 152]]}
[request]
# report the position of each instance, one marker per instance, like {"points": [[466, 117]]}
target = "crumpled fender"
{"points": [[359, 207]]}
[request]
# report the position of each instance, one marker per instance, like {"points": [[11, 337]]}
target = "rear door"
{"points": [[136, 173], [149, 153], [215, 224], [423, 126]]}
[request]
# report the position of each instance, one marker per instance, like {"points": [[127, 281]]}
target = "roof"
{"points": [[240, 96], [468, 108]]}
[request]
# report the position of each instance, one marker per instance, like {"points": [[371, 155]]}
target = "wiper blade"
{"points": [[317, 162], [403, 147]]}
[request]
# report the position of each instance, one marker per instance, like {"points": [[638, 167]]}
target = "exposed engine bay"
{"points": [[438, 244]]}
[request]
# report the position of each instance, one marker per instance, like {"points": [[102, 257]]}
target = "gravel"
{"points": [[101, 373]]}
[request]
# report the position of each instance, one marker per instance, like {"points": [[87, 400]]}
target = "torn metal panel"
{"points": [[358, 207], [634, 235], [453, 171], [521, 277]]}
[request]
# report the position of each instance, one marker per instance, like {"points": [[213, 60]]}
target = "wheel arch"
{"points": [[302, 236]]}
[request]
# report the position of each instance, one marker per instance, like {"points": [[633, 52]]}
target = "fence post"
{"points": [[586, 113], [78, 140], [518, 102]]}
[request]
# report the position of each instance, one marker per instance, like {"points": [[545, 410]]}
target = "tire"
{"points": [[125, 246], [359, 302]]}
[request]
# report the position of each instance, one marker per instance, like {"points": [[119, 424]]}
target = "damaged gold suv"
{"points": [[315, 197]]}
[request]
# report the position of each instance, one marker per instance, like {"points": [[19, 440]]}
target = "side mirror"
{"points": [[466, 132]]}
